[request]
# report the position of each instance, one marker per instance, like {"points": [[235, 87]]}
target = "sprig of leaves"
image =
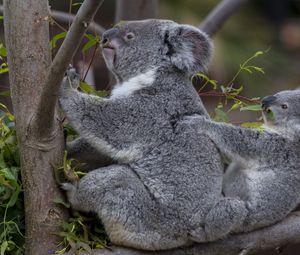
{"points": [[11, 192], [231, 92]]}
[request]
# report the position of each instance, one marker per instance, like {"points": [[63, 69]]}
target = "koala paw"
{"points": [[73, 77], [68, 186], [70, 190]]}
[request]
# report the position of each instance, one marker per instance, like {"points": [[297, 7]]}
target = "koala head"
{"points": [[282, 110], [134, 47]]}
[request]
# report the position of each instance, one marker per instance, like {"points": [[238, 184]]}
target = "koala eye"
{"points": [[284, 106], [129, 36]]}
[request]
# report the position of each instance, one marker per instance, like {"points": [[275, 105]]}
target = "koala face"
{"points": [[134, 47], [282, 109]]}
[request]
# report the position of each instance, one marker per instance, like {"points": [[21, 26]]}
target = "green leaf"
{"points": [[89, 44], [254, 107], [247, 69], [258, 69], [61, 201], [3, 52], [76, 4], [270, 115], [13, 199], [53, 42], [258, 53], [221, 115], [90, 90], [5, 93], [252, 125], [9, 175], [90, 36], [236, 106], [4, 246], [213, 83]]}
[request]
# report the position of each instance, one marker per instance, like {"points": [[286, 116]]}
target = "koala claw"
{"points": [[198, 235], [73, 77], [67, 186]]}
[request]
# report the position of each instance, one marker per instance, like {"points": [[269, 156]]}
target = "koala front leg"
{"points": [[89, 115], [241, 144]]}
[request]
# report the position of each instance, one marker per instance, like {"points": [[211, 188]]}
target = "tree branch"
{"points": [[135, 9], [62, 59], [219, 15], [284, 232], [66, 17]]}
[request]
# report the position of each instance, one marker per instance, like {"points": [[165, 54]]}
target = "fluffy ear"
{"points": [[188, 48]]}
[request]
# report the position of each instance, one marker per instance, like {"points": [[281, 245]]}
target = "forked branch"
{"points": [[63, 58]]}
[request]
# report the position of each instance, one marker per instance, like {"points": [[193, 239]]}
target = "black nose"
{"points": [[108, 35], [267, 101]]}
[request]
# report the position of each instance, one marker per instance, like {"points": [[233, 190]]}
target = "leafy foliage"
{"points": [[3, 63], [230, 95], [79, 233], [11, 195]]}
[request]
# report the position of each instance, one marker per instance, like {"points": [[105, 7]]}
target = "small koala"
{"points": [[164, 189], [265, 173]]}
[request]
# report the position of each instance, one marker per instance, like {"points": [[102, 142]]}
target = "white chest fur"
{"points": [[135, 83]]}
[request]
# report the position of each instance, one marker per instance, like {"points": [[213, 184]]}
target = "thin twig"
{"points": [[223, 94], [92, 60]]}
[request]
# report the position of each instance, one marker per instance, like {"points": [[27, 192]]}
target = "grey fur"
{"points": [[165, 188], [265, 172]]}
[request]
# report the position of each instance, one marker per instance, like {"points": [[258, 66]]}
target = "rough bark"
{"points": [[219, 15], [62, 59], [135, 9], [285, 232], [27, 42]]}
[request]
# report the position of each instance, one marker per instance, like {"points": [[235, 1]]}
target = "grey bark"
{"points": [[285, 232], [38, 124], [135, 9], [27, 42], [62, 59], [219, 15]]}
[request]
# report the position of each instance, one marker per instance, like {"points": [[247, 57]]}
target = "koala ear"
{"points": [[188, 48]]}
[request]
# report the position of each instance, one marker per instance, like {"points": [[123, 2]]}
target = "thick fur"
{"points": [[265, 173], [165, 188]]}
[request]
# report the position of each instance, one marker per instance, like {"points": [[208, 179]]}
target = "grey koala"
{"points": [[165, 188], [266, 172]]}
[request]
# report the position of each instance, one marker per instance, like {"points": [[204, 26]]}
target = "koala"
{"points": [[164, 187], [266, 170]]}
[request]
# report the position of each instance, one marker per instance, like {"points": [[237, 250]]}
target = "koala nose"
{"points": [[108, 35], [267, 101]]}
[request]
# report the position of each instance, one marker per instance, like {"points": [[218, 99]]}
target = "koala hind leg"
{"points": [[224, 217], [125, 206]]}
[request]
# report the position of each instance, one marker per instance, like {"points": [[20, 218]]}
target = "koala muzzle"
{"points": [[108, 35], [267, 101]]}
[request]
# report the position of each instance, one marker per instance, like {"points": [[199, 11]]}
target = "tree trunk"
{"points": [[26, 27], [135, 9]]}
